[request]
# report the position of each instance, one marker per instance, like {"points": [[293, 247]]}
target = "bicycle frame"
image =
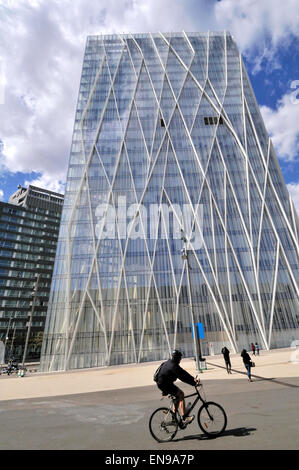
{"points": [[199, 398]]}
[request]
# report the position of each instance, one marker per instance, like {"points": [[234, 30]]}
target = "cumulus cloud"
{"points": [[282, 125], [41, 51], [260, 27], [1, 195], [46, 181], [39, 101], [294, 193]]}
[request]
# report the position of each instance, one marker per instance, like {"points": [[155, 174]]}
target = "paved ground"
{"points": [[109, 408], [261, 415], [278, 363]]}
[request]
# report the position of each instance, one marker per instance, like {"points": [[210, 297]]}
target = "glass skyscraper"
{"points": [[169, 143], [29, 225]]}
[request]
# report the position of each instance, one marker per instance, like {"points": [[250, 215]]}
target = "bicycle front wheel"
{"points": [[212, 419], [163, 425]]}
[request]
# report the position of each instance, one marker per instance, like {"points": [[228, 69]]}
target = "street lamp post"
{"points": [[13, 339], [196, 342], [6, 336], [30, 319]]}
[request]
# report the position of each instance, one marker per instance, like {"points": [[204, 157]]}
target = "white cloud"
{"points": [[36, 118], [47, 182], [41, 51], [282, 125], [1, 195], [294, 193], [41, 46], [260, 26]]}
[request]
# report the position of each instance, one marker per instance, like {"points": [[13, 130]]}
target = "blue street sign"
{"points": [[200, 331]]}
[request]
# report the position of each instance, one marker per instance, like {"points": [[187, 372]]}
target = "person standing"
{"points": [[226, 357], [257, 348], [253, 349], [247, 363]]}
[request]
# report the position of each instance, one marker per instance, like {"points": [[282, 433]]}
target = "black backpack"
{"points": [[156, 374]]}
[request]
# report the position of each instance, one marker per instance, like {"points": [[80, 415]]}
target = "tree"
{"points": [[38, 340]]}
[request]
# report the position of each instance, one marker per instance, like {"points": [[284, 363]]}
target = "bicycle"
{"points": [[164, 422], [11, 367]]}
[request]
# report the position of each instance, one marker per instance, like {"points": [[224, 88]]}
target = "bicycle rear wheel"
{"points": [[163, 425], [212, 419]]}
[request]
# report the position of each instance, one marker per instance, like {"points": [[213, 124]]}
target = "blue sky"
{"points": [[41, 51]]}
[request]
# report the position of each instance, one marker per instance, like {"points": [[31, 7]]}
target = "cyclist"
{"points": [[169, 373]]}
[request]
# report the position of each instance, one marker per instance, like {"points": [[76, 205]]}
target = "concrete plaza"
{"points": [[276, 364], [108, 408]]}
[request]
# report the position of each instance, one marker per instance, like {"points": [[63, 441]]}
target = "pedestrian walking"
{"points": [[253, 349], [247, 363], [226, 357], [257, 348]]}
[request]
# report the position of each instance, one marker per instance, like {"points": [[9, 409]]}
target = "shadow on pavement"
{"points": [[237, 432], [279, 382]]}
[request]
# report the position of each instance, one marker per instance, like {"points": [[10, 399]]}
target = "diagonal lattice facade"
{"points": [[168, 137]]}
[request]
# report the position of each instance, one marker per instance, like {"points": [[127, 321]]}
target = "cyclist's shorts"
{"points": [[169, 389]]}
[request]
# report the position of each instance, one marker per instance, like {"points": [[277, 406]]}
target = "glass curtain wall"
{"points": [[169, 141]]}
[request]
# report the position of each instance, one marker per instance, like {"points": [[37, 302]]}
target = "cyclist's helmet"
{"points": [[176, 355]]}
